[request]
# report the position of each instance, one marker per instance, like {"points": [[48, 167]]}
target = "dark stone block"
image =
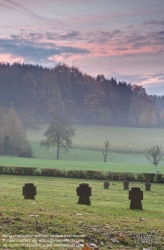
{"points": [[29, 191], [84, 193], [126, 184], [106, 184], [147, 186], [135, 195]]}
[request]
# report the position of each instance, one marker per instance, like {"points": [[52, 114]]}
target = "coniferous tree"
{"points": [[51, 95]]}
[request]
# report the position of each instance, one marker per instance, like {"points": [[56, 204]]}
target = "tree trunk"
{"points": [[157, 171], [105, 152], [57, 156], [104, 158]]}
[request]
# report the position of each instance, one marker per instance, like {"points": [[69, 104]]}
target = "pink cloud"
{"points": [[7, 58]]}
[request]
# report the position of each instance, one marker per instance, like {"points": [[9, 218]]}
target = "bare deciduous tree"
{"points": [[105, 152], [59, 134], [154, 156]]}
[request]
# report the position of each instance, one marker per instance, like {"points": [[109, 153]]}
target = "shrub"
{"points": [[120, 176], [146, 177], [86, 174], [52, 172], [159, 178], [18, 170], [90, 174], [26, 151]]}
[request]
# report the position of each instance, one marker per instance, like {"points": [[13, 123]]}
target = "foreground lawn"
{"points": [[55, 211]]}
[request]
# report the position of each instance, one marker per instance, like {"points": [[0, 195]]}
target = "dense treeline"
{"points": [[37, 93]]}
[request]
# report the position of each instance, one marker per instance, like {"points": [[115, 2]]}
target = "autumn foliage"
{"points": [[12, 135], [38, 93]]}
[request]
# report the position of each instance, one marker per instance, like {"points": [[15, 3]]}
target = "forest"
{"points": [[37, 93]]}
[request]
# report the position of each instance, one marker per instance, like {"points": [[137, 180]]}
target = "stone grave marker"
{"points": [[84, 192], [29, 191], [147, 186], [106, 184], [135, 195], [126, 184]]}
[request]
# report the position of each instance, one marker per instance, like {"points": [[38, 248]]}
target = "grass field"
{"points": [[55, 211], [126, 151], [122, 139], [80, 165]]}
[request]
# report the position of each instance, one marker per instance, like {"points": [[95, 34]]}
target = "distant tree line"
{"points": [[37, 93]]}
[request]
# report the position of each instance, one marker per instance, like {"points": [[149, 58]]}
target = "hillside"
{"points": [[37, 93]]}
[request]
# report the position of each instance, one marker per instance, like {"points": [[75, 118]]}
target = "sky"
{"points": [[123, 39]]}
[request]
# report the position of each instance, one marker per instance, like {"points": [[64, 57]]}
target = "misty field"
{"points": [[126, 150], [122, 139]]}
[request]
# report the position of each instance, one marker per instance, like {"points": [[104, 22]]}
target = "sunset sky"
{"points": [[123, 39]]}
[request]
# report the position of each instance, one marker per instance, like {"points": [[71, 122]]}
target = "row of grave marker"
{"points": [[84, 192], [126, 185]]}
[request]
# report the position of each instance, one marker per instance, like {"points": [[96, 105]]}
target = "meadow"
{"points": [[55, 212], [122, 139], [108, 222], [126, 151]]}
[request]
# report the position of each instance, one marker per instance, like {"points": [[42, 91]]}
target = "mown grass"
{"points": [[55, 211], [80, 165]]}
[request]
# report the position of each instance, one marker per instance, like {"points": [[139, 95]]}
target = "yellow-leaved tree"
{"points": [[12, 135]]}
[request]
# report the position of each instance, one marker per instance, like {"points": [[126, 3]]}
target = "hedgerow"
{"points": [[83, 174]]}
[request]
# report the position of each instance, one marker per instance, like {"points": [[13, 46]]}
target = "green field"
{"points": [[122, 139], [126, 151], [55, 212], [80, 165]]}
